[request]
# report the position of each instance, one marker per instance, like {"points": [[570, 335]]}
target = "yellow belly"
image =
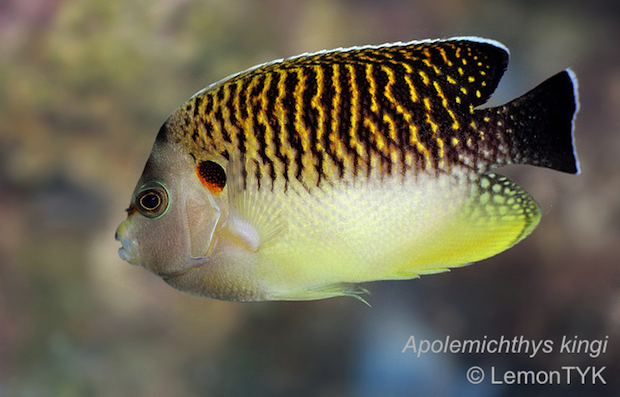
{"points": [[390, 229]]}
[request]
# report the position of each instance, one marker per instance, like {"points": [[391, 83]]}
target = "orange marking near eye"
{"points": [[131, 210]]}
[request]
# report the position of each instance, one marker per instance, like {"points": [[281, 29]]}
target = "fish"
{"points": [[306, 177]]}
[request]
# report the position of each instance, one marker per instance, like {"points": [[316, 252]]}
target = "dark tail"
{"points": [[539, 124]]}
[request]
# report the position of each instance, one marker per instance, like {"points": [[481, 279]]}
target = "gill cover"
{"points": [[202, 215]]}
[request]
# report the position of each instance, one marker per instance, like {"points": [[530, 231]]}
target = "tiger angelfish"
{"points": [[301, 178]]}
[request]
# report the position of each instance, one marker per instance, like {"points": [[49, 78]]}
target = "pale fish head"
{"points": [[173, 219]]}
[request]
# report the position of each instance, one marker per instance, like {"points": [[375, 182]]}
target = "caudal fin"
{"points": [[539, 124]]}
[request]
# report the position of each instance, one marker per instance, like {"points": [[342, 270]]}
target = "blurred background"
{"points": [[84, 87]]}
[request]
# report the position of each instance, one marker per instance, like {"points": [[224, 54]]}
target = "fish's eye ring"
{"points": [[152, 200]]}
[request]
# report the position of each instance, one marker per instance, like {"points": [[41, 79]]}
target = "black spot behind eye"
{"points": [[212, 175]]}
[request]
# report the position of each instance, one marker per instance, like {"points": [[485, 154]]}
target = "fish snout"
{"points": [[126, 251]]}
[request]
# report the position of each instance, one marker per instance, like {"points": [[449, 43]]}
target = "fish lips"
{"points": [[126, 251]]}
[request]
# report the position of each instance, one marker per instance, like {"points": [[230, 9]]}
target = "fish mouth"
{"points": [[125, 252]]}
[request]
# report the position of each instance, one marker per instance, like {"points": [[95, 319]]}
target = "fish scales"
{"points": [[332, 114]]}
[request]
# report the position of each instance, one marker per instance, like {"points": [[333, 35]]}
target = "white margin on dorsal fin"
{"points": [[476, 39], [353, 48]]}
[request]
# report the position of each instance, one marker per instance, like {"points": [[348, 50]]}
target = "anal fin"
{"points": [[498, 214], [502, 213]]}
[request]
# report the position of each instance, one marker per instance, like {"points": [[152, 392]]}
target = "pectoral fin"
{"points": [[255, 217]]}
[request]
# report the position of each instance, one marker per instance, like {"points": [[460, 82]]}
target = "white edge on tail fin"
{"points": [[575, 82]]}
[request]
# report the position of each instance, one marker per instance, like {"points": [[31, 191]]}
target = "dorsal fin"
{"points": [[470, 67]]}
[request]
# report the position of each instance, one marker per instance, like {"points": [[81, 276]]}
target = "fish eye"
{"points": [[152, 200]]}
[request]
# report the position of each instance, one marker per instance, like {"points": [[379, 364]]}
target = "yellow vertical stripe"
{"points": [[355, 113], [316, 104], [413, 130]]}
